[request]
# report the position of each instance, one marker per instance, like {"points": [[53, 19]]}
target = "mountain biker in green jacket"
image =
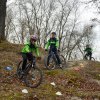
{"points": [[27, 51], [88, 51], [53, 43]]}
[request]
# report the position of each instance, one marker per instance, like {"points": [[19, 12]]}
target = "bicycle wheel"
{"points": [[33, 78], [19, 70], [63, 60], [52, 63], [87, 58], [45, 61], [92, 58]]}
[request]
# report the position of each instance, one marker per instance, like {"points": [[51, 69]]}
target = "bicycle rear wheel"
{"points": [[63, 60], [92, 58], [33, 78], [52, 63], [87, 58], [19, 70]]}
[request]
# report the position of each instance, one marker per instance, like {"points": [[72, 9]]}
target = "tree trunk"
{"points": [[2, 19]]}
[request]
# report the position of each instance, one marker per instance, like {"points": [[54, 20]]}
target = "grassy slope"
{"points": [[84, 83]]}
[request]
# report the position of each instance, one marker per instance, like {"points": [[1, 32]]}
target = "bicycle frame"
{"points": [[31, 64]]}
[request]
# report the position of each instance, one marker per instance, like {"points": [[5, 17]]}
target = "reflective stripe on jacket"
{"points": [[52, 42]]}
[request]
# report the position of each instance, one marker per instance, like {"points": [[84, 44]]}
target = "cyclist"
{"points": [[53, 43], [27, 51], [88, 51]]}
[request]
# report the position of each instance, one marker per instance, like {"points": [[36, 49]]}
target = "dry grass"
{"points": [[69, 82]]}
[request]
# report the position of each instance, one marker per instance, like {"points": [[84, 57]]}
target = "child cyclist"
{"points": [[53, 43], [88, 51], [27, 51]]}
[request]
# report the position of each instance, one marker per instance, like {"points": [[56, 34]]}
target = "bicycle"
{"points": [[86, 57], [32, 74], [53, 63]]}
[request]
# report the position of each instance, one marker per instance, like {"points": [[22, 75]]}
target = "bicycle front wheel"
{"points": [[33, 78], [19, 70], [92, 58]]}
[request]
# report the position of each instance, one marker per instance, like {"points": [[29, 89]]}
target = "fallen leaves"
{"points": [[58, 83]]}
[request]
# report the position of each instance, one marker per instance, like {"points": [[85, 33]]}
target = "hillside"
{"points": [[79, 81]]}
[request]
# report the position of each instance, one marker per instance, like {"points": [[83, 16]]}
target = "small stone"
{"points": [[8, 68], [77, 68], [58, 93], [81, 65], [24, 91], [53, 83]]}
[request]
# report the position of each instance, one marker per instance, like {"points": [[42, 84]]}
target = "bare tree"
{"points": [[9, 20], [41, 17], [2, 19]]}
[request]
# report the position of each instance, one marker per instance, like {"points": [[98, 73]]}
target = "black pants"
{"points": [[88, 54], [56, 54], [26, 56]]}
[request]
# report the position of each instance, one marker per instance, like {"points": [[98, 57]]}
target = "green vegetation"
{"points": [[69, 81]]}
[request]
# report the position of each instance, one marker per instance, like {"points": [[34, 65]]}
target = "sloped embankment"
{"points": [[80, 81]]}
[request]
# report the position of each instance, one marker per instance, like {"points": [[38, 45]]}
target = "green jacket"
{"points": [[52, 42], [88, 50], [28, 49]]}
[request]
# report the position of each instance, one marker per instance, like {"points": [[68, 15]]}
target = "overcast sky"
{"points": [[86, 14]]}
